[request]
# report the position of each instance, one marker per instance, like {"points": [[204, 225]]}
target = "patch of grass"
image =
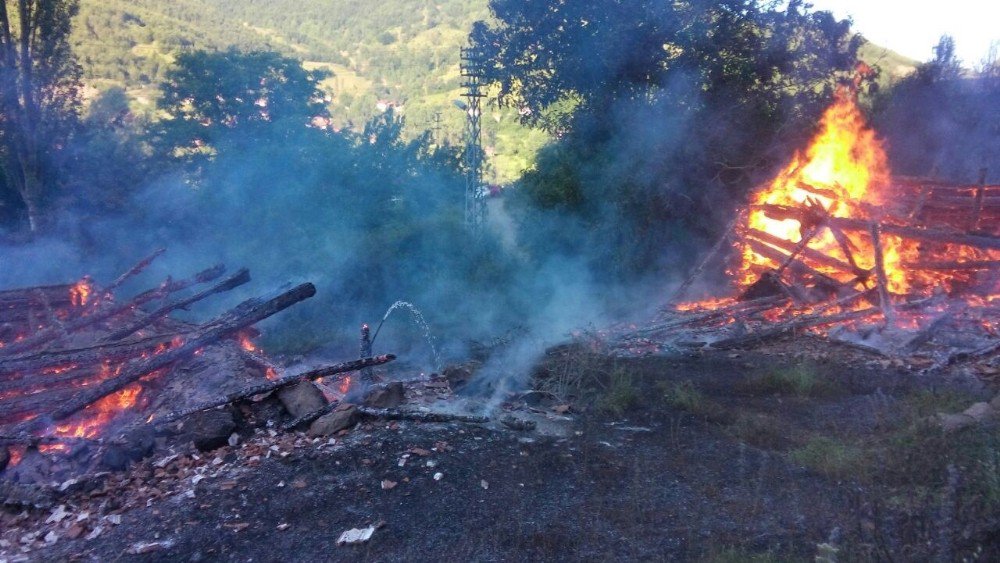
{"points": [[800, 380], [685, 396], [622, 393], [833, 458], [926, 403]]}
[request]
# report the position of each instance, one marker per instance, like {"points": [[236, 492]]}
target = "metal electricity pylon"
{"points": [[473, 156]]}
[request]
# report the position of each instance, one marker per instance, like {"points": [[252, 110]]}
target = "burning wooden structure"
{"points": [[77, 366], [836, 246]]}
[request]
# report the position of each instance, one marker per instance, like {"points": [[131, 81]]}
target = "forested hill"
{"points": [[401, 52]]}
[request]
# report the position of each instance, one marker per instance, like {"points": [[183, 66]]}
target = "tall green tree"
{"points": [[216, 98], [39, 78]]}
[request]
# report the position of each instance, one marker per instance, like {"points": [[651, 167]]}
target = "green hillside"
{"points": [[402, 52]]}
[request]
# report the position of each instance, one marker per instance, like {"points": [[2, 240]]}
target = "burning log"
{"points": [[798, 323], [270, 386], [247, 313], [239, 278], [738, 308], [924, 335], [808, 253], [22, 367], [956, 265], [930, 235], [883, 284], [796, 265], [51, 335]]}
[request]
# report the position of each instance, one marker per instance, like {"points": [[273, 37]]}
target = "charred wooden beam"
{"points": [[396, 414], [135, 270], [276, 384], [955, 265], [34, 381], [796, 266], [239, 278], [735, 309], [937, 184], [783, 212], [712, 253], [50, 335], [799, 323], [930, 235], [25, 366], [925, 334], [246, 314], [883, 283], [809, 253], [311, 416]]}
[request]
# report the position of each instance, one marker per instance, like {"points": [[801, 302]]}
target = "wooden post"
{"points": [[977, 209], [883, 283]]}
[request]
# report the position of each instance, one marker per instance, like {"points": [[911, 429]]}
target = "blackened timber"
{"points": [[276, 384], [311, 416], [883, 283], [716, 248], [247, 313], [28, 383], [36, 403], [796, 266], [799, 323], [135, 270], [100, 315], [396, 414], [930, 235], [115, 353], [739, 308], [239, 278]]}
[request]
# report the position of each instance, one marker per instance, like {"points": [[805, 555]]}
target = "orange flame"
{"points": [[246, 343], [80, 293], [345, 385], [838, 171]]}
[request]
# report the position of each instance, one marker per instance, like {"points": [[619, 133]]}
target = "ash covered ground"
{"points": [[795, 450]]}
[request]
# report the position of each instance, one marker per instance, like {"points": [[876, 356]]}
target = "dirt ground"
{"points": [[776, 454]]}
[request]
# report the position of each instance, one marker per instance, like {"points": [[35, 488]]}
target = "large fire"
{"points": [[843, 173]]}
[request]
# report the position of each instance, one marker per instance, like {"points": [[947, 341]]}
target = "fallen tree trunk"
{"points": [[244, 315]]}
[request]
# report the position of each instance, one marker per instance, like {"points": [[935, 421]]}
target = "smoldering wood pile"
{"points": [[954, 230], [77, 364]]}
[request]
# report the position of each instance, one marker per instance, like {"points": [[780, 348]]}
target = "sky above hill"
{"points": [[913, 27]]}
